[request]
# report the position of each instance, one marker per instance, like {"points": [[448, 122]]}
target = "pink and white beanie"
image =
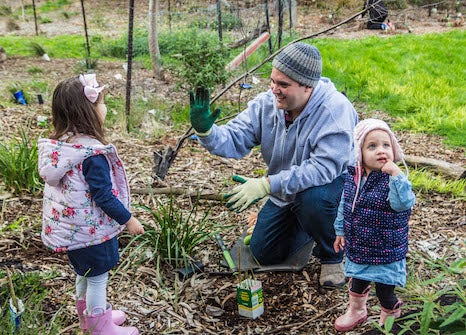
{"points": [[365, 127]]}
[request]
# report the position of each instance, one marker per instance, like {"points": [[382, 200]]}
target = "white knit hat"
{"points": [[366, 126], [301, 62]]}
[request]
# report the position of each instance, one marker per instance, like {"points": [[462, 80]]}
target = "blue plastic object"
{"points": [[19, 97]]}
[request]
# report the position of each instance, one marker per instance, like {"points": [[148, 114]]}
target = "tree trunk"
{"points": [[447, 169], [154, 40]]}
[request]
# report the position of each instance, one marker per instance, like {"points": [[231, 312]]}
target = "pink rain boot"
{"points": [[118, 317], [100, 322], [356, 312], [385, 313]]}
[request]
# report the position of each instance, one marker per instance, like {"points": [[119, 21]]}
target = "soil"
{"points": [[206, 303]]}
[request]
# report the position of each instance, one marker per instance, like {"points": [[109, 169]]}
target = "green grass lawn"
{"points": [[420, 79]]}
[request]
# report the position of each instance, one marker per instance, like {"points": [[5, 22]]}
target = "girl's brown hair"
{"points": [[73, 113]]}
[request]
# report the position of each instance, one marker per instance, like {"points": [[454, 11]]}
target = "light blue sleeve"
{"points": [[338, 224], [401, 195]]}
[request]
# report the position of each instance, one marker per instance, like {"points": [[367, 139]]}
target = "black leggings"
{"points": [[385, 293]]}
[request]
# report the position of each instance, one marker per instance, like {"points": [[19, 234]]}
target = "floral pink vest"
{"points": [[70, 218]]}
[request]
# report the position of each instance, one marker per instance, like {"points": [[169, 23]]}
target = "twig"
{"points": [[296, 326]]}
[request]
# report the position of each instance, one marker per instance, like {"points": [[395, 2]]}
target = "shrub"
{"points": [[200, 59]]}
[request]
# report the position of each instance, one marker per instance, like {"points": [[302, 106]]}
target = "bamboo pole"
{"points": [[12, 289]]}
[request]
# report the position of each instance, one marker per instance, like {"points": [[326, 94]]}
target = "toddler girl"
{"points": [[372, 223], [86, 199]]}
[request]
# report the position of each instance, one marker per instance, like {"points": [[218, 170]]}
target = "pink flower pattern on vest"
{"points": [[71, 219]]}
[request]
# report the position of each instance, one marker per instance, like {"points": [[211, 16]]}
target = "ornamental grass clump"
{"points": [[18, 165], [436, 305], [172, 235]]}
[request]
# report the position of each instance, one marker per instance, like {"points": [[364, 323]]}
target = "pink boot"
{"points": [[118, 317], [385, 313], [100, 322], [356, 312]]}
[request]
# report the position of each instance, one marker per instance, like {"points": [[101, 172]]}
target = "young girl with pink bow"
{"points": [[86, 199]]}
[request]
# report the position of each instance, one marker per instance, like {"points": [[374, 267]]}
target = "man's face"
{"points": [[290, 95]]}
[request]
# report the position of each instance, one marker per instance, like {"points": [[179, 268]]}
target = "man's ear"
{"points": [[309, 89]]}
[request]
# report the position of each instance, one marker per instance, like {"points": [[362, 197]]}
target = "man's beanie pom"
{"points": [[301, 62]]}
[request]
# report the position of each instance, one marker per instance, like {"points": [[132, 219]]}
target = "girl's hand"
{"points": [[391, 168], [134, 226], [339, 244]]}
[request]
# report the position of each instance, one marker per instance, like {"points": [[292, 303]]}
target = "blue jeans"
{"points": [[281, 231]]}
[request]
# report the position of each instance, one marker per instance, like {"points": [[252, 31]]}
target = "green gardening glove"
{"points": [[199, 112], [248, 193]]}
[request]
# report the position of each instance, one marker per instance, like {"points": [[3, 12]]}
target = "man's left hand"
{"points": [[249, 192]]}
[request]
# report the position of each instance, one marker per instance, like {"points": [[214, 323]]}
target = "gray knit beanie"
{"points": [[301, 62]]}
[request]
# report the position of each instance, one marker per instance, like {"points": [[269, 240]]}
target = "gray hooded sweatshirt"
{"points": [[314, 150]]}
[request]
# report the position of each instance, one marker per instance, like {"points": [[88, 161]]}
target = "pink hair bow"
{"points": [[91, 87]]}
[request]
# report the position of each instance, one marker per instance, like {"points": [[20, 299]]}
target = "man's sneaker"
{"points": [[332, 275]]}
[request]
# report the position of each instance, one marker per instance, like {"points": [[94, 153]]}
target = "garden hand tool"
{"points": [[190, 269], [199, 112], [226, 253], [249, 192]]}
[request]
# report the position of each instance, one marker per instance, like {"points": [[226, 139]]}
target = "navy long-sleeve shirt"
{"points": [[96, 172]]}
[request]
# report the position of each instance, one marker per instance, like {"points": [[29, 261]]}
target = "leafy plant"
{"points": [[173, 235], [86, 65], [201, 60], [37, 49], [439, 303], [18, 165]]}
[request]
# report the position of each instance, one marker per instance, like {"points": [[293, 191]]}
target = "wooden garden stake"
{"points": [[12, 289], [35, 16], [219, 20], [88, 47], [130, 62]]}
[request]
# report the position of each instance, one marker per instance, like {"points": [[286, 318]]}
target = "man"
{"points": [[304, 127]]}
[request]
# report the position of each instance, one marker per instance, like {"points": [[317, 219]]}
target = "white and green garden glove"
{"points": [[199, 112], [249, 192]]}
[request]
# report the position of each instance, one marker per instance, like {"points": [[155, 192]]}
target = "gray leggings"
{"points": [[93, 290]]}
